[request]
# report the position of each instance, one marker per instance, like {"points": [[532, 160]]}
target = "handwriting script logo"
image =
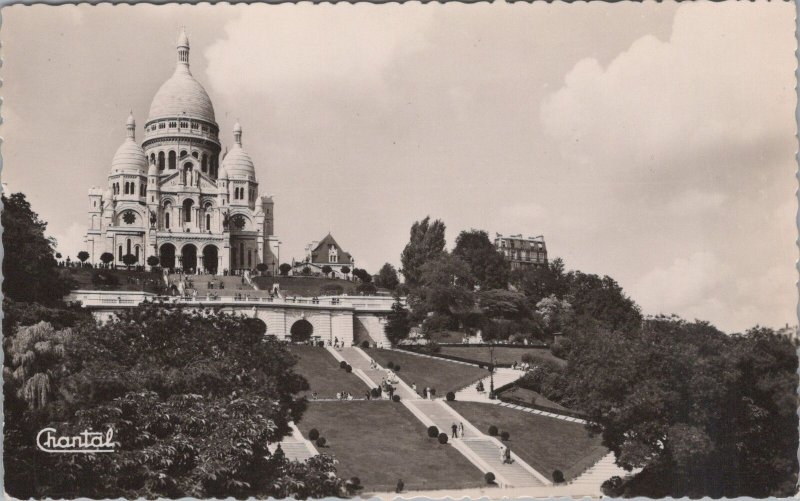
{"points": [[84, 442]]}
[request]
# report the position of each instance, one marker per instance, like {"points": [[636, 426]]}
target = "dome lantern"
{"points": [[183, 47], [237, 134], [130, 125]]}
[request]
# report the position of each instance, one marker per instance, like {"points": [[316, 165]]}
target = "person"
{"points": [[391, 391], [338, 395], [454, 429], [279, 452], [313, 395], [507, 456], [368, 396], [461, 429], [414, 387], [479, 386], [400, 485], [425, 393]]}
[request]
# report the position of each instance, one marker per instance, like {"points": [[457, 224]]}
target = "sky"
{"points": [[650, 142]]}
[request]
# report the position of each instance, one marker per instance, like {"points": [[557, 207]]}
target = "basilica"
{"points": [[173, 198]]}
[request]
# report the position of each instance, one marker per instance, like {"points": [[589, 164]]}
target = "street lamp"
{"points": [[277, 264], [491, 371]]}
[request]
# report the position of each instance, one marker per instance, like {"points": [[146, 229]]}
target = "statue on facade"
{"points": [[153, 218], [226, 219]]}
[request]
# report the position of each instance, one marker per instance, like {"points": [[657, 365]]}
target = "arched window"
{"points": [[136, 253], [249, 257], [160, 160], [208, 222], [152, 158], [204, 164], [187, 210], [172, 163], [196, 154], [129, 246], [166, 220], [120, 253], [183, 153]]}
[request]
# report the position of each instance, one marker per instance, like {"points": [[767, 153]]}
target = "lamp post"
{"points": [[491, 371], [278, 246]]}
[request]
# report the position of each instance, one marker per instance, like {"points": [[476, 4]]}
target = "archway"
{"points": [[210, 258], [167, 256], [301, 331], [188, 257]]}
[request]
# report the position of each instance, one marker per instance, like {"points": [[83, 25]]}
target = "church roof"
{"points": [[129, 156], [320, 253], [181, 95], [237, 162]]}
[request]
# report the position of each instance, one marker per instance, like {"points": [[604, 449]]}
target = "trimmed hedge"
{"points": [[450, 396], [348, 369], [321, 442], [375, 392], [365, 344], [505, 436], [390, 365], [433, 431], [313, 434], [442, 438], [342, 364], [489, 477], [397, 368], [493, 431], [558, 476], [395, 398]]}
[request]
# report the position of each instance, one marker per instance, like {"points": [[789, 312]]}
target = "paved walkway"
{"points": [[502, 376], [295, 446]]}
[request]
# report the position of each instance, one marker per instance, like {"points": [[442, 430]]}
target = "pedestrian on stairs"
{"points": [[454, 427], [461, 429], [400, 485]]}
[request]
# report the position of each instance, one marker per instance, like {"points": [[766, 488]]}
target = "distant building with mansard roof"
{"points": [[522, 252], [173, 197]]}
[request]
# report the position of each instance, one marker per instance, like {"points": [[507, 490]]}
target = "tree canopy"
{"points": [[387, 277], [426, 243], [487, 265]]}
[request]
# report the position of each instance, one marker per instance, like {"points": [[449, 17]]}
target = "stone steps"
{"points": [[502, 376]]}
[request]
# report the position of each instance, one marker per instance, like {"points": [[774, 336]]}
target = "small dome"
{"points": [[237, 128], [129, 158], [237, 162]]}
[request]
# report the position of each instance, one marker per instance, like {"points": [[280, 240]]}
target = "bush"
{"points": [[390, 365], [489, 477], [365, 344], [561, 347], [313, 434], [450, 396], [558, 476], [348, 369], [613, 487], [433, 391], [397, 368], [442, 438], [367, 288], [353, 485], [433, 431], [505, 436], [395, 398], [342, 364], [375, 392], [321, 442], [493, 431]]}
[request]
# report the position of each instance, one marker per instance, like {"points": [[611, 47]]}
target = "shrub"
{"points": [[342, 364], [433, 431], [397, 368], [367, 288], [442, 438], [433, 391], [395, 398], [365, 344], [612, 487], [505, 436], [353, 485], [348, 369], [375, 392], [489, 477], [313, 434], [558, 476], [493, 431], [450, 396], [390, 365], [321, 442], [561, 347]]}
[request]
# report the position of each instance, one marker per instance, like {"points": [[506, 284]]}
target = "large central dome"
{"points": [[182, 95]]}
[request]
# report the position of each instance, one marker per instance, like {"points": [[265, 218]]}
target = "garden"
{"points": [[323, 374]]}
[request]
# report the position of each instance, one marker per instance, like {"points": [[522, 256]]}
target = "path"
{"points": [[502, 377], [295, 446]]}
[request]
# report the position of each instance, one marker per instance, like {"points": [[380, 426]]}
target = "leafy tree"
{"points": [[106, 257], [285, 268], [602, 300], [362, 275], [129, 260], [327, 270], [446, 289], [556, 314], [58, 255], [486, 263], [261, 267], [398, 322], [539, 282], [387, 277], [425, 244], [83, 256], [153, 261], [192, 407], [346, 270], [30, 272], [306, 270]]}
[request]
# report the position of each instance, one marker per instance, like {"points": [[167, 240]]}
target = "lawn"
{"points": [[502, 354], [527, 396], [323, 373], [380, 442], [128, 280], [545, 443], [424, 371]]}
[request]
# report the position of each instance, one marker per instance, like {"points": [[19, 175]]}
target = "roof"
{"points": [[319, 254]]}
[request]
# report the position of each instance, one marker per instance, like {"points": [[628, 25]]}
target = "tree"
{"points": [[106, 257], [446, 289], [426, 243], [261, 267], [58, 255], [487, 265], [153, 261], [556, 314], [194, 407], [398, 322], [306, 270], [346, 270], [285, 268], [83, 256], [30, 272], [327, 270], [387, 277], [129, 260], [362, 275]]}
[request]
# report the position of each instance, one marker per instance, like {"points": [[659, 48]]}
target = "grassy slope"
{"points": [[527, 396], [440, 374], [544, 443], [502, 354], [83, 279], [323, 373], [380, 442], [302, 286]]}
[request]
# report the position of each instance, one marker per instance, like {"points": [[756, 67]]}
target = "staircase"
{"points": [[295, 447], [232, 284], [589, 482], [502, 376], [361, 361]]}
